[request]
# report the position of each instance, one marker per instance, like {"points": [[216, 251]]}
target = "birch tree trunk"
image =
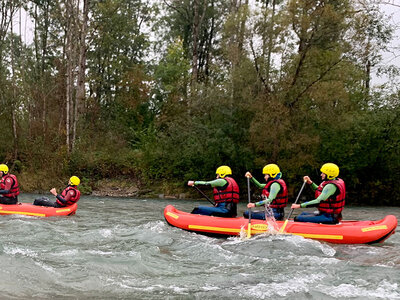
{"points": [[80, 93], [14, 100]]}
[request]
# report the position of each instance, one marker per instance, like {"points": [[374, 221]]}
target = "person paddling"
{"points": [[69, 195], [274, 192], [329, 196], [226, 194], [9, 189]]}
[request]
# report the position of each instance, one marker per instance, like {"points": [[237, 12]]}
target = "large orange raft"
{"points": [[37, 211], [347, 232]]}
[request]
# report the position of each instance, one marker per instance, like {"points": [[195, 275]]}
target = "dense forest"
{"points": [[153, 93]]}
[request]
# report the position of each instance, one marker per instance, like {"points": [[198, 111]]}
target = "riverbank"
{"points": [[116, 187]]}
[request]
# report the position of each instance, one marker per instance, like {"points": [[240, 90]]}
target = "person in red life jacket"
{"points": [[274, 192], [9, 189], [69, 195], [226, 195], [329, 196]]}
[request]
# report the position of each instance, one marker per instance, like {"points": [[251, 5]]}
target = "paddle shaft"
{"points": [[201, 192], [248, 196], [298, 196], [295, 202]]}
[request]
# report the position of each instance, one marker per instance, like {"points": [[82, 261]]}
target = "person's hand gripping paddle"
{"points": [[248, 196]]}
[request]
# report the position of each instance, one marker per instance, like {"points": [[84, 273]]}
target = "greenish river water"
{"points": [[117, 248]]}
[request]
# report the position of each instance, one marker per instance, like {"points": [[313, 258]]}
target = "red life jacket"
{"points": [[227, 193], [281, 199], [76, 194], [335, 203], [14, 190]]}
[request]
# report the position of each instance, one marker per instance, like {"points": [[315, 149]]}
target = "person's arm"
{"points": [[220, 182], [68, 196], [58, 196], [7, 187], [327, 191], [275, 188], [314, 186], [259, 185], [309, 181]]}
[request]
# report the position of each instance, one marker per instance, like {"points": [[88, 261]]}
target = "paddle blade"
{"points": [[282, 230], [249, 231]]}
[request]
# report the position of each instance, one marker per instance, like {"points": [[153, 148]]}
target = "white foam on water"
{"points": [[130, 284], [106, 233], [283, 288], [46, 267], [22, 251], [385, 290], [233, 240], [133, 253], [316, 260], [300, 241], [99, 252], [177, 289], [111, 281], [389, 264], [327, 250], [208, 288], [69, 252], [156, 226]]}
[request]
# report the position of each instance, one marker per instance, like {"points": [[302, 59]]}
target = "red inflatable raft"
{"points": [[37, 211], [347, 232]]}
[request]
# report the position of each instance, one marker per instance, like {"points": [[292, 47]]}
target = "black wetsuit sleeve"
{"points": [[62, 200]]}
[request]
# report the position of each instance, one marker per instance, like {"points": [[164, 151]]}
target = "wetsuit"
{"points": [[330, 201], [69, 196], [276, 190], [226, 196], [9, 189]]}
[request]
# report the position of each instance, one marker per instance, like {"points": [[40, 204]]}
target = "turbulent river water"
{"points": [[120, 248]]}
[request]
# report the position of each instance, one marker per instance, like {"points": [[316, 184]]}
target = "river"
{"points": [[121, 248]]}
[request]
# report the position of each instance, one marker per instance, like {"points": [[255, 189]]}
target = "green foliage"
{"points": [[284, 82]]}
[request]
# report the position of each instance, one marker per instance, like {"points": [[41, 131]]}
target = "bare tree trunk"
{"points": [[242, 30], [197, 22], [14, 100], [69, 88], [80, 93], [195, 35], [270, 45], [42, 66]]}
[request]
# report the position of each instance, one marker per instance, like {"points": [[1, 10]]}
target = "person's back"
{"points": [[226, 194], [329, 197], [274, 192], [68, 196], [9, 188]]}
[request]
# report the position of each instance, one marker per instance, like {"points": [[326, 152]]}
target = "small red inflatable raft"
{"points": [[346, 232], [37, 211]]}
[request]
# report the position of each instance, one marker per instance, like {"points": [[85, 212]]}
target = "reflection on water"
{"points": [[123, 249]]}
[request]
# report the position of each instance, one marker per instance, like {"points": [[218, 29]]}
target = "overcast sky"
{"points": [[392, 10]]}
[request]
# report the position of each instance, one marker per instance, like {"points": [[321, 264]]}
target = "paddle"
{"points": [[201, 192], [248, 196], [284, 224]]}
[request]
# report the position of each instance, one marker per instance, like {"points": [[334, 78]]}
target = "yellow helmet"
{"points": [[4, 168], [222, 171], [74, 180], [331, 170], [272, 170]]}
